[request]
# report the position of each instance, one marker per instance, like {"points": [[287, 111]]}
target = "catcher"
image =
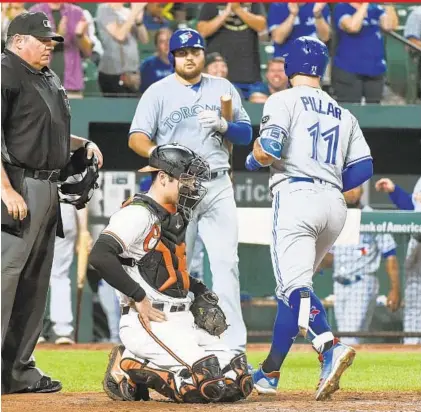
{"points": [[171, 345]]}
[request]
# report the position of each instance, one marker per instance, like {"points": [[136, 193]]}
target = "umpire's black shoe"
{"points": [[44, 385]]}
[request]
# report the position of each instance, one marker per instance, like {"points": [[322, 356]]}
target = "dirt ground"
{"points": [[290, 401]]}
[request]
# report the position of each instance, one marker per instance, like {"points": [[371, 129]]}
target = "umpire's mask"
{"points": [[78, 187]]}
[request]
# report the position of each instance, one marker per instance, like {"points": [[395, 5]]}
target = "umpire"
{"points": [[35, 144]]}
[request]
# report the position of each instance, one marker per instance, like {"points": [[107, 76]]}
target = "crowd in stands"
{"points": [[111, 40]]}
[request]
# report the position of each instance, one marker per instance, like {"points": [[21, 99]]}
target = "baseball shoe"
{"points": [[115, 383], [265, 383], [41, 340], [44, 385], [64, 340], [334, 363]]}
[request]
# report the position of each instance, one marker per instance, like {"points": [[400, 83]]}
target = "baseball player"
{"points": [[316, 150], [196, 268], [170, 343], [75, 223], [185, 107], [407, 201], [355, 282]]}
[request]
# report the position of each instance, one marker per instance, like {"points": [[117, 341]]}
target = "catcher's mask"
{"points": [[190, 170], [79, 180]]}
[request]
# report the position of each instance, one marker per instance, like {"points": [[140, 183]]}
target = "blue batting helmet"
{"points": [[306, 55], [184, 38]]}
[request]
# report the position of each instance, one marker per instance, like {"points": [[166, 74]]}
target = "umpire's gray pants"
{"points": [[25, 277]]}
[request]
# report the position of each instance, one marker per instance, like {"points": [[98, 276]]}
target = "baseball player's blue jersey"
{"points": [[167, 113], [168, 110]]}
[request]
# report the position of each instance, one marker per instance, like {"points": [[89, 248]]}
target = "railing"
{"points": [[412, 64]]}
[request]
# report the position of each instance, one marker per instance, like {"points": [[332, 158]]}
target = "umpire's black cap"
{"points": [[33, 24]]}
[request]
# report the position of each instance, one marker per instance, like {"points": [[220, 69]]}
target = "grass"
{"points": [[82, 371]]}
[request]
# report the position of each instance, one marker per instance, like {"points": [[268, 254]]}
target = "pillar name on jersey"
{"points": [[186, 112], [316, 105]]}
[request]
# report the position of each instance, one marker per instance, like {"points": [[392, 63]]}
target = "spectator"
{"points": [[164, 15], [412, 26], [232, 30], [359, 64], [413, 34], [277, 81], [119, 28], [69, 21], [8, 12], [215, 65], [97, 49], [157, 67], [288, 21]]}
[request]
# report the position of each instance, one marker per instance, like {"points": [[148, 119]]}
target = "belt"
{"points": [[181, 307], [51, 175], [128, 261], [310, 180], [218, 173], [347, 281]]}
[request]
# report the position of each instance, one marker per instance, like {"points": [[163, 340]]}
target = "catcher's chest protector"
{"points": [[165, 266]]}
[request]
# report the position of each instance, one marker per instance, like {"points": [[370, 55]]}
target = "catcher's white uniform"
{"points": [[177, 341]]}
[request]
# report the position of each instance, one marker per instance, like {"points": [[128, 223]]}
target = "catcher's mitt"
{"points": [[208, 315]]}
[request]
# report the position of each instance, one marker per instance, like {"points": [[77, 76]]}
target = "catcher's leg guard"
{"points": [[158, 379], [115, 383], [241, 386], [208, 378]]}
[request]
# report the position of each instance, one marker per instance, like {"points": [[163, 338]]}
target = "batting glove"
{"points": [[251, 163], [210, 119]]}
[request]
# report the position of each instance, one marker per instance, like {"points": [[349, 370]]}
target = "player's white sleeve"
{"points": [[145, 119], [275, 112], [416, 196], [358, 148], [239, 113], [274, 126], [386, 243], [129, 225]]}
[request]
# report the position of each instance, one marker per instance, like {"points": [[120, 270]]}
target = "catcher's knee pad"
{"points": [[208, 378], [239, 382], [158, 379], [115, 383]]}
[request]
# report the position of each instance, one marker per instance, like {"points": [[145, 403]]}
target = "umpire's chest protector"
{"points": [[164, 267]]}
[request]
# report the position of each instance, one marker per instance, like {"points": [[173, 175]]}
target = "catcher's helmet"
{"points": [[183, 164], [306, 55], [184, 38]]}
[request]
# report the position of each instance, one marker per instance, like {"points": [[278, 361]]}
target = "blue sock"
{"points": [[285, 330], [319, 331]]}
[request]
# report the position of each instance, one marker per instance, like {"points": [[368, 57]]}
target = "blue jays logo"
{"points": [[184, 38], [313, 313]]}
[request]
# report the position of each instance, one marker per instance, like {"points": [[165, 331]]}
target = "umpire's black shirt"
{"points": [[35, 116]]}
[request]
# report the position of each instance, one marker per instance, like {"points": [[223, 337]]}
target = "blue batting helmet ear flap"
{"points": [[308, 56], [184, 38]]}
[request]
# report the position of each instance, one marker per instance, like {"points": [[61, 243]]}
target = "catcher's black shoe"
{"points": [[115, 383]]}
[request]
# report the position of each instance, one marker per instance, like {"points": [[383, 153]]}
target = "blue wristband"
{"points": [[251, 163]]}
